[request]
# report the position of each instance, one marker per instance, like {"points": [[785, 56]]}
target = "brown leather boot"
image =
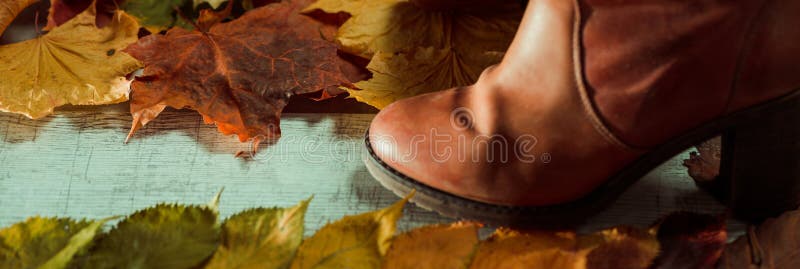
{"points": [[592, 95]]}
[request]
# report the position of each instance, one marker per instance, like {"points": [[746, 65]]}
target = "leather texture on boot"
{"points": [[660, 68], [535, 130]]}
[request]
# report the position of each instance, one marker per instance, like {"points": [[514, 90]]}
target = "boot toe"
{"points": [[401, 137]]}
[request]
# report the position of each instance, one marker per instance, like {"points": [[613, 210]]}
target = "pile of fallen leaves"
{"points": [[238, 62], [190, 236], [413, 49]]}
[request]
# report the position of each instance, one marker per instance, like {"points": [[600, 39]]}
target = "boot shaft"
{"points": [[655, 69]]}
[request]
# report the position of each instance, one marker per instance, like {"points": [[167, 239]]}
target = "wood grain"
{"points": [[76, 164]]}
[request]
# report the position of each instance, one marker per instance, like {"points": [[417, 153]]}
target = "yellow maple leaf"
{"points": [[392, 26], [435, 247], [353, 242], [45, 242], [261, 238], [75, 63], [398, 76], [415, 50], [164, 236]]}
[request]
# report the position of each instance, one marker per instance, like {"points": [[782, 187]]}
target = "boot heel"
{"points": [[761, 162]]}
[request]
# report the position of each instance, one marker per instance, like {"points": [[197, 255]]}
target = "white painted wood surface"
{"points": [[75, 164]]}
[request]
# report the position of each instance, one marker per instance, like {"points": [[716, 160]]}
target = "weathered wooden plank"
{"points": [[75, 164]]}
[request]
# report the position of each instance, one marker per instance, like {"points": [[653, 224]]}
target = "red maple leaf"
{"points": [[238, 74]]}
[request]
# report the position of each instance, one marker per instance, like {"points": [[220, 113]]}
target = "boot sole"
{"points": [[574, 212]]}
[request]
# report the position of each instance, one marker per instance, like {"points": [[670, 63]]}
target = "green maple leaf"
{"points": [[45, 242], [164, 236], [261, 238]]}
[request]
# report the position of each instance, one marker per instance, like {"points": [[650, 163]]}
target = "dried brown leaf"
{"points": [[690, 240], [774, 244]]}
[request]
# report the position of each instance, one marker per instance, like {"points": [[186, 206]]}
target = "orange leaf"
{"points": [[438, 246], [619, 247], [534, 249]]}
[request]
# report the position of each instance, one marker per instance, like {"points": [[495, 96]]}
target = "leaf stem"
{"points": [[36, 23]]}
